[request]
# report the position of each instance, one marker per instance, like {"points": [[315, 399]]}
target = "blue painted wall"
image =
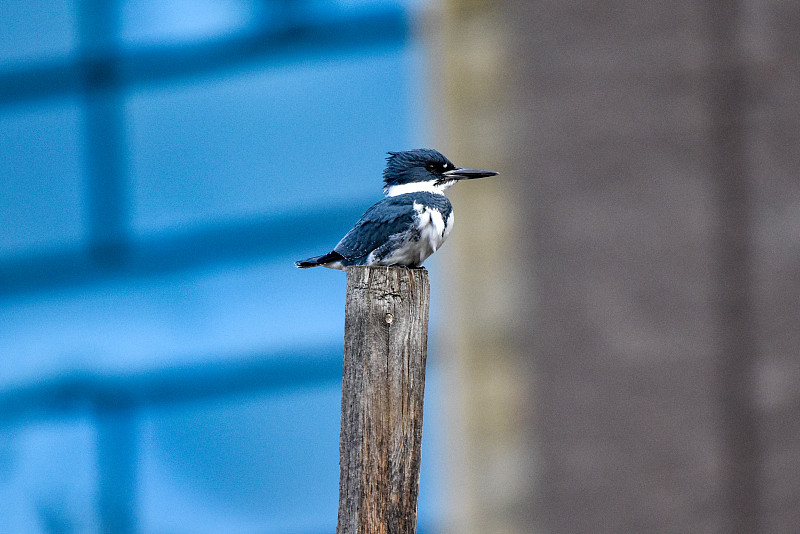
{"points": [[165, 368]]}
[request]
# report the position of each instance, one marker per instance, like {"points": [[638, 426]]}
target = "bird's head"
{"points": [[423, 170]]}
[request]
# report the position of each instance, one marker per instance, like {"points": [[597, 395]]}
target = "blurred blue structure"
{"points": [[166, 369]]}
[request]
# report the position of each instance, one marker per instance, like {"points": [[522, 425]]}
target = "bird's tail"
{"points": [[310, 262], [316, 261]]}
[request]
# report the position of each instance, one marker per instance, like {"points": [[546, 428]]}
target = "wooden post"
{"points": [[383, 385]]}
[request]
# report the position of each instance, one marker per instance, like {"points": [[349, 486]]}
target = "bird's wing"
{"points": [[390, 216]]}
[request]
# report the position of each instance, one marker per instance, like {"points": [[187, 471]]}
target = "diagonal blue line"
{"points": [[387, 27], [258, 373]]}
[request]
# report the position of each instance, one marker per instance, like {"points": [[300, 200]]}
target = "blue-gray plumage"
{"points": [[411, 223]]}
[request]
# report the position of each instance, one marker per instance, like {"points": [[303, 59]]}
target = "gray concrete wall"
{"points": [[651, 155]]}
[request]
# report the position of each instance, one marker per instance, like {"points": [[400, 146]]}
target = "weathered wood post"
{"points": [[383, 385]]}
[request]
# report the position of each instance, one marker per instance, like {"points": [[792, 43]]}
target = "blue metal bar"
{"points": [[108, 232], [258, 373], [179, 251], [117, 460], [104, 130], [307, 38]]}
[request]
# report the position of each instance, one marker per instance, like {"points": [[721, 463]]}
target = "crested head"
{"points": [[424, 167], [424, 170]]}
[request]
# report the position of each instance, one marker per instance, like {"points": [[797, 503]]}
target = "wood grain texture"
{"points": [[383, 384]]}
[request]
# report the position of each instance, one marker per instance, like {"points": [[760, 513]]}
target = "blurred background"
{"points": [[615, 323]]}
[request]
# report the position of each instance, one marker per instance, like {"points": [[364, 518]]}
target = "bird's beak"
{"points": [[468, 174]]}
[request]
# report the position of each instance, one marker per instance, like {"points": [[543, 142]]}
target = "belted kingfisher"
{"points": [[411, 223]]}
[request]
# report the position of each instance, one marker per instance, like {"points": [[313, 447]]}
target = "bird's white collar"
{"points": [[418, 187]]}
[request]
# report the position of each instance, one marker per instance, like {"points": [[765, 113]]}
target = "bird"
{"points": [[410, 223]]}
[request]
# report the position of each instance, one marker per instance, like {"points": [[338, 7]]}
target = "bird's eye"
{"points": [[434, 167]]}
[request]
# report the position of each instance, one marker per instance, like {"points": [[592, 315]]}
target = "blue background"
{"points": [[165, 368]]}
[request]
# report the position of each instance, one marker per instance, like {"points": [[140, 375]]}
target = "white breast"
{"points": [[433, 228], [432, 233]]}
